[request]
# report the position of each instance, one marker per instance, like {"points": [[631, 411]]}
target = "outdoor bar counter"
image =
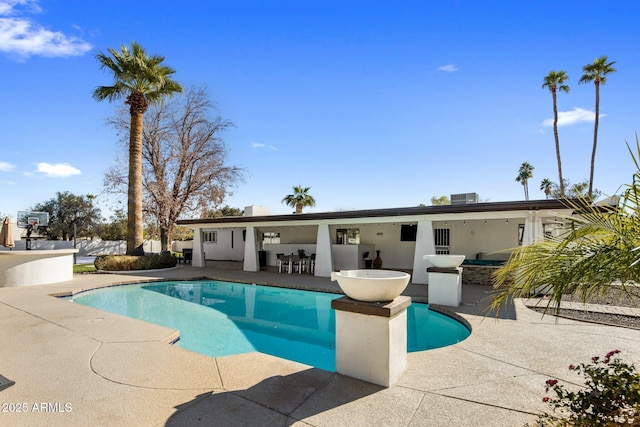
{"points": [[36, 267]]}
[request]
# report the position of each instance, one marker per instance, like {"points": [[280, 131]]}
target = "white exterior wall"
{"points": [[225, 249], [395, 255], [474, 236], [299, 235]]}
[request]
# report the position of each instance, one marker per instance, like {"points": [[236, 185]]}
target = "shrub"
{"points": [[611, 395], [128, 263]]}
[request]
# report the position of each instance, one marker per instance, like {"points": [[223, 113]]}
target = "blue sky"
{"points": [[372, 104]]}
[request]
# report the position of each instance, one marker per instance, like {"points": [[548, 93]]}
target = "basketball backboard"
{"points": [[40, 219]]}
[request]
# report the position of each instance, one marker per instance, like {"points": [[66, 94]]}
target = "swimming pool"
{"points": [[223, 318]]}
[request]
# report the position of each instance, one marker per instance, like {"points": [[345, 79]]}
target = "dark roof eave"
{"points": [[377, 213]]}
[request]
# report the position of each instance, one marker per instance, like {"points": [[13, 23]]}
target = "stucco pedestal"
{"points": [[445, 286], [371, 339], [36, 267]]}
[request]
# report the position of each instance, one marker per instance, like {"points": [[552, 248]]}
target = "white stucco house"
{"points": [[348, 239]]}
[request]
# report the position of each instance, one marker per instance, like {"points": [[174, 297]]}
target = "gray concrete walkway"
{"points": [[78, 366]]}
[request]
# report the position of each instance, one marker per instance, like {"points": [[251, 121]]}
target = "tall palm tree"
{"points": [[300, 198], [555, 82], [525, 173], [596, 73], [546, 185], [140, 79]]}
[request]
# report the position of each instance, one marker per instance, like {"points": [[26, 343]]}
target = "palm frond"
{"points": [[134, 71], [600, 248]]}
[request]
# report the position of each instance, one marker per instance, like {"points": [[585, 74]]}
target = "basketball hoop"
{"points": [[31, 221], [31, 227]]}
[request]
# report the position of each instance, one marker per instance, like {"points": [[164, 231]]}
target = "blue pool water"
{"points": [[223, 318]]}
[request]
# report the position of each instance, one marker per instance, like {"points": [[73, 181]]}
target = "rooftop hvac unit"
{"points": [[464, 198]]}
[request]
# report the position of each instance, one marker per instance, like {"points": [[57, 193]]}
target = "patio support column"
{"points": [[251, 251], [198, 251], [324, 262], [425, 245], [532, 229]]}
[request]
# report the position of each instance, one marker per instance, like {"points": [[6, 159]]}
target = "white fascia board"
{"points": [[463, 216]]}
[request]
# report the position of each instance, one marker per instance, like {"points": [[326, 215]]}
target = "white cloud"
{"points": [[568, 118], [449, 68], [259, 145], [23, 37], [59, 170], [6, 167], [7, 6]]}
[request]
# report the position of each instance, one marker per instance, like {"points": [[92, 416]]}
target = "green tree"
{"points": [[182, 232], [546, 186], [554, 81], [67, 210], [596, 73], [141, 80], [299, 199], [226, 210], [439, 201], [597, 249], [115, 228], [574, 191], [525, 173]]}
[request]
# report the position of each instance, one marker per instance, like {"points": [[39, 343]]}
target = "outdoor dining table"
{"points": [[291, 261]]}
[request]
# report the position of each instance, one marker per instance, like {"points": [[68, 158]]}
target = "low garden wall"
{"points": [[96, 247], [35, 267]]}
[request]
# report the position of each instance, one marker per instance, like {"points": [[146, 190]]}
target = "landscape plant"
{"points": [[129, 263], [610, 395]]}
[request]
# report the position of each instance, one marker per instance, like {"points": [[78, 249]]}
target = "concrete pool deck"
{"points": [[76, 366]]}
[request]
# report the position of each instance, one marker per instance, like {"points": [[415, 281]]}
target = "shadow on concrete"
{"points": [[476, 300], [276, 401]]}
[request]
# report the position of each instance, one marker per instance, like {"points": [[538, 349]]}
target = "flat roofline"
{"points": [[390, 212]]}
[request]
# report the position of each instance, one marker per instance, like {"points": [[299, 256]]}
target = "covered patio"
{"points": [[344, 240]]}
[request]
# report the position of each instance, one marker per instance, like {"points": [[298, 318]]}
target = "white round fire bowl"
{"points": [[371, 285], [444, 261]]}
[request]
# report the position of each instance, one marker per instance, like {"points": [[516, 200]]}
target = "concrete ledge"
{"points": [[382, 309], [445, 270]]}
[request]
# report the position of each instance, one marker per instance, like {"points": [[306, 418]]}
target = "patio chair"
{"points": [[188, 255], [295, 263], [282, 261], [312, 264]]}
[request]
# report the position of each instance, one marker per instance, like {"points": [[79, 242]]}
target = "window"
{"points": [[348, 236], [520, 234], [553, 229], [442, 240], [209, 236], [408, 233], [271, 237]]}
